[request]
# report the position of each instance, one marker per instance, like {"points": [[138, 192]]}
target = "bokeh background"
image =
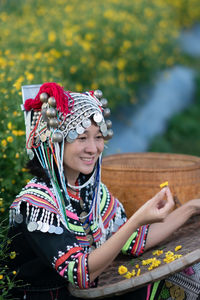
{"points": [[112, 45]]}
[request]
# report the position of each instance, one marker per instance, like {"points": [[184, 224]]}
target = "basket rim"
{"points": [[152, 155]]}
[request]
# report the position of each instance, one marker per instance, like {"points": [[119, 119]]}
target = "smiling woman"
{"points": [[65, 226]]}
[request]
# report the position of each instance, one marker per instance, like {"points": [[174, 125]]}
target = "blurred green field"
{"points": [[113, 45]]}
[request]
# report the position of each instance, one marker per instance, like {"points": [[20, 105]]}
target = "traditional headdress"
{"points": [[54, 116]]}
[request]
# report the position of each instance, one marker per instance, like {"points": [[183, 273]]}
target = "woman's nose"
{"points": [[91, 146]]}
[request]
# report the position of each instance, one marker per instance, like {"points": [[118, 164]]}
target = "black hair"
{"points": [[34, 167]]}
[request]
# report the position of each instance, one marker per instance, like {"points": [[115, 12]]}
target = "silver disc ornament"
{"points": [[59, 230], [32, 226], [97, 117], [40, 224], [80, 129], [86, 123], [72, 135], [52, 229], [18, 218], [45, 227]]}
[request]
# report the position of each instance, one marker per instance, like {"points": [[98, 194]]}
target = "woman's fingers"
{"points": [[165, 202]]}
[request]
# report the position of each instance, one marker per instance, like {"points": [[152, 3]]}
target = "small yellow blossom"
{"points": [[10, 139], [17, 155], [18, 132], [128, 275], [9, 125], [122, 270], [164, 184], [138, 272], [178, 248], [73, 69], [157, 252], [133, 272], [4, 143], [12, 255], [52, 36], [137, 266], [14, 272], [1, 276]]}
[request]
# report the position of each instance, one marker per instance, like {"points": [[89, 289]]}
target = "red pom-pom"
{"points": [[53, 90]]}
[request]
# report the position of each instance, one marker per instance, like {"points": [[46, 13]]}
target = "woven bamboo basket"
{"points": [[134, 178]]}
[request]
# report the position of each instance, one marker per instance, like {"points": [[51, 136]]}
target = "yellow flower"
{"points": [[164, 184], [17, 155], [128, 275], [10, 139], [12, 255], [122, 270], [133, 272], [18, 132], [9, 125], [1, 276], [157, 252], [4, 143], [178, 248], [137, 266], [52, 36], [73, 69], [138, 272], [14, 272], [121, 64], [29, 76]]}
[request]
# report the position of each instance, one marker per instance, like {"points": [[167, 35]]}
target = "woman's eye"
{"points": [[81, 138], [99, 136]]}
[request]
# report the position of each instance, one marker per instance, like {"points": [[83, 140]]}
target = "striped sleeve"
{"points": [[73, 266], [135, 245]]}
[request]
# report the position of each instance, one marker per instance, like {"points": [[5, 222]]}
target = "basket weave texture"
{"points": [[134, 178]]}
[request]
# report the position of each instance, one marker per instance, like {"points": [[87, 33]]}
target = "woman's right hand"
{"points": [[156, 209]]}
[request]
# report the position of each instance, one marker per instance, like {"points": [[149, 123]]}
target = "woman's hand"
{"points": [[156, 209]]}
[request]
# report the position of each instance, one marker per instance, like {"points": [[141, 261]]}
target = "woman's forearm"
{"points": [[101, 257], [158, 232]]}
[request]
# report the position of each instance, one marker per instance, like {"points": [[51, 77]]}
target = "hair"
{"points": [[34, 167]]}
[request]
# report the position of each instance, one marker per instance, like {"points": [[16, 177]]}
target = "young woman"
{"points": [[65, 225]]}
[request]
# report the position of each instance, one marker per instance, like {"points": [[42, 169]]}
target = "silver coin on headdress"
{"points": [[80, 129], [97, 117], [72, 135], [86, 123]]}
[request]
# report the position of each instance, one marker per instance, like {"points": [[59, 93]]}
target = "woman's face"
{"points": [[81, 155]]}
